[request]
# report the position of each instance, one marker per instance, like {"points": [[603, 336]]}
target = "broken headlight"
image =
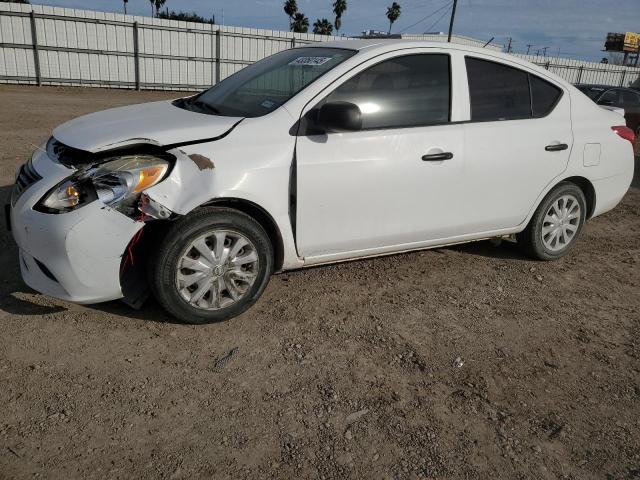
{"points": [[115, 182]]}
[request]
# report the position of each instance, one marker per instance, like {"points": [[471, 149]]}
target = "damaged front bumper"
{"points": [[75, 256]]}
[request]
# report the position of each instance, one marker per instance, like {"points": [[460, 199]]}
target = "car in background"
{"points": [[618, 97]]}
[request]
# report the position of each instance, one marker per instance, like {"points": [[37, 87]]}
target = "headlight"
{"points": [[115, 182]]}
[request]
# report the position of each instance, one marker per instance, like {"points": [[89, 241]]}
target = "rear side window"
{"points": [[544, 96], [499, 92], [405, 91]]}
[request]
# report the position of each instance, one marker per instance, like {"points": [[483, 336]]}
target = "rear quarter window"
{"points": [[544, 96]]}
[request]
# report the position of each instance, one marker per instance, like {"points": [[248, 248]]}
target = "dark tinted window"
{"points": [[591, 92], [401, 92], [263, 86], [544, 96], [611, 97], [497, 92], [630, 98]]}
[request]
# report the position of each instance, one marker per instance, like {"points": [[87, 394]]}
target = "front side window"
{"points": [[262, 87], [500, 92], [405, 91]]}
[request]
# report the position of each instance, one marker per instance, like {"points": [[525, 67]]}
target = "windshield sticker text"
{"points": [[310, 61]]}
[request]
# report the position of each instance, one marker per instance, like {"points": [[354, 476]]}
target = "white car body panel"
{"points": [[158, 123], [356, 194]]}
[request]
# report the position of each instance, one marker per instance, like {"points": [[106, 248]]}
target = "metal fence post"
{"points": [[218, 54], [624, 73], [136, 54], [580, 70], [36, 54]]}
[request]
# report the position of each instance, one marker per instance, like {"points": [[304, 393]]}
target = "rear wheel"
{"points": [[211, 266], [556, 224]]}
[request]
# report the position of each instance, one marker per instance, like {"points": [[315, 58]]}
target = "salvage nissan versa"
{"points": [[314, 155]]}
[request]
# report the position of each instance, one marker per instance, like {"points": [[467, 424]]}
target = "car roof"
{"points": [[377, 46]]}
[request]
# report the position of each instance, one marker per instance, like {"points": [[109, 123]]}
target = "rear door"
{"points": [[518, 140]]}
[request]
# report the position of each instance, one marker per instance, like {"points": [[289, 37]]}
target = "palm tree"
{"points": [[300, 23], [290, 8], [339, 7], [125, 6], [152, 2], [322, 27], [159, 4], [393, 13]]}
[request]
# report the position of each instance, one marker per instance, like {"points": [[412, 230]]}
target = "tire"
{"points": [[538, 240], [222, 231]]}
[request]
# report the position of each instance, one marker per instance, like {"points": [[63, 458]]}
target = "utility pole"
{"points": [[529, 45], [453, 16], [509, 46]]}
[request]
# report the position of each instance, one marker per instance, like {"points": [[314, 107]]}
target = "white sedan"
{"points": [[318, 154]]}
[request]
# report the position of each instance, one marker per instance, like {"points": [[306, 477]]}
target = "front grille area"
{"points": [[26, 176]]}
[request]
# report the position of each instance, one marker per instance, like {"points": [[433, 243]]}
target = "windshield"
{"points": [[591, 92], [262, 87]]}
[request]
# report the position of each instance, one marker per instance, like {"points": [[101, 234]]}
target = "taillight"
{"points": [[627, 134]]}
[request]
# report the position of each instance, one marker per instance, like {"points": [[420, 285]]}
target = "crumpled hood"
{"points": [[159, 123]]}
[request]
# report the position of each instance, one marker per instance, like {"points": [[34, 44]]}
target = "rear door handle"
{"points": [[557, 147], [437, 157]]}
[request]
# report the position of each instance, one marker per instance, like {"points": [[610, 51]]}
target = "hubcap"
{"points": [[561, 223], [217, 269]]}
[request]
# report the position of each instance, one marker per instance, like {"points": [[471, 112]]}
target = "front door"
{"points": [[395, 183]]}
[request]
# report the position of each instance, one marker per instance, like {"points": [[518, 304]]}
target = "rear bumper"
{"points": [[610, 190], [73, 256]]}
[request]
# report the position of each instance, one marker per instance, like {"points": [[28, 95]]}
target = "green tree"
{"points": [[184, 17], [323, 27], [300, 23], [14, 1], [158, 4], [339, 7], [393, 13], [290, 8]]}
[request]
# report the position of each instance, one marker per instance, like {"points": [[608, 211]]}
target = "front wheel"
{"points": [[556, 224], [211, 266]]}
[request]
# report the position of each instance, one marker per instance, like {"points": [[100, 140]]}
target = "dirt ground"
{"points": [[457, 363]]}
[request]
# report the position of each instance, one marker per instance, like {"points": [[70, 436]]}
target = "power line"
{"points": [[437, 21], [447, 5]]}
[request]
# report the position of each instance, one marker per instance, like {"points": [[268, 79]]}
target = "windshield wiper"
{"points": [[205, 106]]}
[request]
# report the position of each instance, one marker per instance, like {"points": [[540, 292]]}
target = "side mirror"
{"points": [[606, 103], [340, 117]]}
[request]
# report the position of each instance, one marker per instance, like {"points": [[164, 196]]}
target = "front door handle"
{"points": [[557, 147], [437, 157]]}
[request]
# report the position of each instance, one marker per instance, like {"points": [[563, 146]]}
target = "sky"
{"points": [[576, 28]]}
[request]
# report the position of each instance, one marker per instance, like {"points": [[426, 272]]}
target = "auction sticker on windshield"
{"points": [[312, 61]]}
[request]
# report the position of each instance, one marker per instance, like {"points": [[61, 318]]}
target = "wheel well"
{"points": [[262, 217], [589, 192]]}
